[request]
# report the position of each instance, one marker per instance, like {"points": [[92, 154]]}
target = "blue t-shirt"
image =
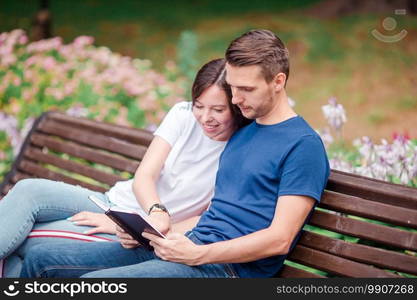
{"points": [[259, 164]]}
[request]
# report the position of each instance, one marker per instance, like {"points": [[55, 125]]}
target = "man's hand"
{"points": [[176, 248], [100, 222]]}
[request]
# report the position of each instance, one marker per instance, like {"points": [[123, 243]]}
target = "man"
{"points": [[271, 174]]}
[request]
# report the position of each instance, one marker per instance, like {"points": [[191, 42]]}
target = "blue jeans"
{"points": [[43, 205], [111, 260]]}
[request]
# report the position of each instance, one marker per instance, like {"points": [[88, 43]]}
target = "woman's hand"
{"points": [[160, 220], [125, 239], [100, 222]]}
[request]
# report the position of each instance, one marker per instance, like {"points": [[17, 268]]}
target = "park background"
{"points": [[127, 62]]}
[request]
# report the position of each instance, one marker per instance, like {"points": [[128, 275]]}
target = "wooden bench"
{"points": [[103, 153]]}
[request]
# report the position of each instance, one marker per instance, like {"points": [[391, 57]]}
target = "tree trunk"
{"points": [[42, 22]]}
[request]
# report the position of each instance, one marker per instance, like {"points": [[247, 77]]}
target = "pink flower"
{"points": [[8, 60], [31, 61], [23, 40], [45, 45], [49, 63], [83, 41]]}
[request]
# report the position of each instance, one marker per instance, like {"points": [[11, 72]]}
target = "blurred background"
{"points": [[353, 65]]}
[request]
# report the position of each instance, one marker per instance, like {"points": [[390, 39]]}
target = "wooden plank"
{"points": [[19, 176], [15, 178], [95, 140], [369, 209], [334, 264], [133, 135], [17, 160], [372, 189], [365, 230], [292, 272], [38, 171], [38, 155], [93, 155], [6, 189], [361, 253]]}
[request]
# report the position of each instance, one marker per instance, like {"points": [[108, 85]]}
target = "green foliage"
{"points": [[323, 45], [305, 268], [376, 117], [407, 103], [187, 48]]}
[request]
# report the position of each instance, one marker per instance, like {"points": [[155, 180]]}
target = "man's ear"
{"points": [[279, 82]]}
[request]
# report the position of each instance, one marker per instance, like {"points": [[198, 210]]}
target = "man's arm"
{"points": [[290, 214]]}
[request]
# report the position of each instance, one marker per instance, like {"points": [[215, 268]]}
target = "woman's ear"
{"points": [[279, 82]]}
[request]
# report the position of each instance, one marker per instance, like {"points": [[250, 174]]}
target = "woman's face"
{"points": [[213, 114]]}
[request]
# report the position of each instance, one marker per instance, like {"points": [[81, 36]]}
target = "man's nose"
{"points": [[236, 99]]}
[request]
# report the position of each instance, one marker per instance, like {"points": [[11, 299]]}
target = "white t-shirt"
{"points": [[186, 183]]}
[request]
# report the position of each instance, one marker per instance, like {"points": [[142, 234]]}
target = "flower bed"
{"points": [[81, 79]]}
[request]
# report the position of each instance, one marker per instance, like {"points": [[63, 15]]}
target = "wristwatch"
{"points": [[158, 207]]}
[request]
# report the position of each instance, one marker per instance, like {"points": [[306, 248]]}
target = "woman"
{"points": [[173, 183]]}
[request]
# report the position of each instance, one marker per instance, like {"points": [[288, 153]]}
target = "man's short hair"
{"points": [[260, 47]]}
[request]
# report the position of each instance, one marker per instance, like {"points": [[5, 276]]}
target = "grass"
{"points": [[376, 117]]}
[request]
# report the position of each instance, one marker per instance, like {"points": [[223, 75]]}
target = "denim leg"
{"points": [[100, 260], [38, 200], [13, 263], [60, 225], [157, 268], [73, 260]]}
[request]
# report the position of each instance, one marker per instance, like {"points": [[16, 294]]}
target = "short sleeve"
{"points": [[306, 169], [175, 122]]}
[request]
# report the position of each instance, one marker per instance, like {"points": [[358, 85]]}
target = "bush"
{"points": [[81, 79]]}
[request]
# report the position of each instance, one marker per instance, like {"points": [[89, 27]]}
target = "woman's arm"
{"points": [[144, 188], [146, 176]]}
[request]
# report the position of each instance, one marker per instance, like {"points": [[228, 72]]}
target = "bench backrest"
{"points": [[362, 227], [97, 150]]}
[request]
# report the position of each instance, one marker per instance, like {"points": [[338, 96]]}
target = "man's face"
{"points": [[251, 93]]}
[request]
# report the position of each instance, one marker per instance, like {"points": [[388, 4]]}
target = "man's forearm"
{"points": [[257, 245]]}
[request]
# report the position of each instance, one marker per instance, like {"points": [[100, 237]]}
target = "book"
{"points": [[130, 221]]}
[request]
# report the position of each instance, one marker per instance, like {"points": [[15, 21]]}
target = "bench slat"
{"points": [[95, 140], [133, 135], [6, 189], [13, 179], [361, 253], [68, 165], [334, 264], [291, 272], [365, 230], [19, 176], [80, 151], [38, 171], [369, 209], [372, 189]]}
